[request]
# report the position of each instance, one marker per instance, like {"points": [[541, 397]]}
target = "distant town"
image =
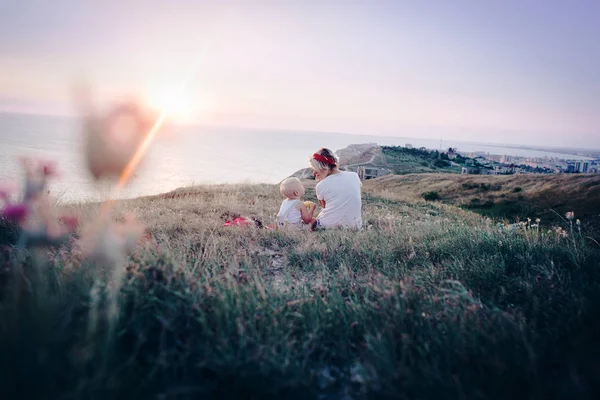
{"points": [[490, 164]]}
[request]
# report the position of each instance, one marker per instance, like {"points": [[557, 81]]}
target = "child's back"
{"points": [[288, 213], [293, 210]]}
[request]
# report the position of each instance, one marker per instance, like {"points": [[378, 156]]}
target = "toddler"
{"points": [[293, 210]]}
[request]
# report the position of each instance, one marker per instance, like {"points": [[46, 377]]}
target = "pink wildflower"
{"points": [[570, 215], [108, 242], [48, 169], [15, 212], [113, 140], [70, 221]]}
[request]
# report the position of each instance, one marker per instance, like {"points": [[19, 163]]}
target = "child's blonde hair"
{"points": [[289, 185]]}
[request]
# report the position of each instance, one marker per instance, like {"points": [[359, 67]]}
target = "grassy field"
{"points": [[512, 197], [402, 161], [428, 301]]}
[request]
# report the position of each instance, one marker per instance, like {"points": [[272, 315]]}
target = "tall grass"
{"points": [[428, 301]]}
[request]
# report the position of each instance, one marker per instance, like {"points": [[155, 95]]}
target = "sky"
{"points": [[511, 71]]}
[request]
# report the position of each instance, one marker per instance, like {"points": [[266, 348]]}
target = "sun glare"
{"points": [[172, 101]]}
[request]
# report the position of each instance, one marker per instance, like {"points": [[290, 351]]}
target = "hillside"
{"points": [[511, 196], [428, 301]]}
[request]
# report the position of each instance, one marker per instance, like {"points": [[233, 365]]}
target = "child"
{"points": [[293, 211]]}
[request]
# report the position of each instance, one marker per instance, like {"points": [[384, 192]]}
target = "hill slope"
{"points": [[510, 196], [428, 301]]}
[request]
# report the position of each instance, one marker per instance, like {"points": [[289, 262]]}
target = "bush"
{"points": [[431, 196], [441, 163]]}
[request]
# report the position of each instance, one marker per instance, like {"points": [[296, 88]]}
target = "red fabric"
{"points": [[241, 221], [325, 159]]}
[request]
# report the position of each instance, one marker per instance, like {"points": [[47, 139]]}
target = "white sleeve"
{"points": [[319, 193]]}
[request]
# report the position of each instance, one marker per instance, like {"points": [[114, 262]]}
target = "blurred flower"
{"points": [[38, 223], [15, 212], [111, 141], [578, 222], [538, 220], [7, 189], [108, 242], [570, 215]]}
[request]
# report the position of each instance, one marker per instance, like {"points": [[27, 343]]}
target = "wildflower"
{"points": [[15, 212], [37, 221], [113, 140], [528, 219], [6, 190], [570, 215], [578, 222], [108, 242], [537, 220]]}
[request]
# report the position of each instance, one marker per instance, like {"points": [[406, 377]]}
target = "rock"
{"points": [[306, 173]]}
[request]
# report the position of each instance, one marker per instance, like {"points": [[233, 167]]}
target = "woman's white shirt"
{"points": [[343, 203]]}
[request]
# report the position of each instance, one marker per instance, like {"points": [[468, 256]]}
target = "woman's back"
{"points": [[343, 204]]}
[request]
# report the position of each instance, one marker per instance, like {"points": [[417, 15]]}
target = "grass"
{"points": [[513, 197], [428, 301], [405, 161]]}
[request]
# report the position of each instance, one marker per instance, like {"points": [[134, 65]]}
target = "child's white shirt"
{"points": [[288, 213]]}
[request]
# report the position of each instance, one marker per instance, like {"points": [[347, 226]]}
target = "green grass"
{"points": [[428, 301], [410, 161]]}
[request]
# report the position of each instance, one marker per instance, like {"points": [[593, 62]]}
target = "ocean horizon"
{"points": [[193, 155]]}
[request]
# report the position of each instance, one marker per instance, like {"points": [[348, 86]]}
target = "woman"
{"points": [[338, 193]]}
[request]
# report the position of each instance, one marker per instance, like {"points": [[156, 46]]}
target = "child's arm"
{"points": [[307, 214]]}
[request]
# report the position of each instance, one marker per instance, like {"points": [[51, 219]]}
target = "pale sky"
{"points": [[510, 71]]}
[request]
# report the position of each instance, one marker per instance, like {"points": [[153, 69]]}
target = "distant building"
{"points": [[451, 153], [585, 166], [582, 166], [570, 168], [365, 173]]}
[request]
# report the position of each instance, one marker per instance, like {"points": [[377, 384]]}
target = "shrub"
{"points": [[441, 163], [431, 196]]}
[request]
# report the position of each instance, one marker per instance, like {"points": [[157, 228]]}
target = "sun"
{"points": [[171, 100]]}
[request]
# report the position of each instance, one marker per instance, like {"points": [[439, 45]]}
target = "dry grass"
{"points": [[512, 196], [428, 301]]}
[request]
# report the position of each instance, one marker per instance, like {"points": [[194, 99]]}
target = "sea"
{"points": [[189, 155]]}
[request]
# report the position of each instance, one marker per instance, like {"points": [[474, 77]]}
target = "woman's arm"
{"points": [[322, 203]]}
